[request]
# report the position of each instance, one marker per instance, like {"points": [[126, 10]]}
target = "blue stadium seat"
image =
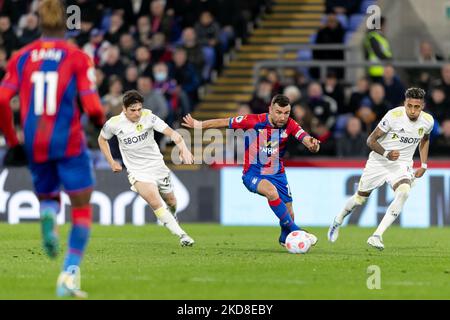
{"points": [[312, 38], [365, 4], [348, 36], [355, 21], [304, 55]]}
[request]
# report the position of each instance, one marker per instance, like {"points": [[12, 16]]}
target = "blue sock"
{"points": [[79, 236], [282, 212]]}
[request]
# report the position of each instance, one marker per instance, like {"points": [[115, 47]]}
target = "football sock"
{"points": [[49, 208], [352, 203], [79, 236], [168, 220], [282, 212], [401, 194]]}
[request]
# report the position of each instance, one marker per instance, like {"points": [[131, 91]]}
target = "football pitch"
{"points": [[130, 262]]}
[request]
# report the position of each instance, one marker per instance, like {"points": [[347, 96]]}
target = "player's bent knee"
{"points": [[403, 190], [360, 200]]}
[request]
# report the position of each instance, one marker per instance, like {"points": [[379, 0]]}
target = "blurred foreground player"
{"points": [[265, 144], [49, 74]]}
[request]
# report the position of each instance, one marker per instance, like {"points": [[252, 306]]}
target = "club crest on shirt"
{"points": [[283, 134], [420, 132], [139, 127]]}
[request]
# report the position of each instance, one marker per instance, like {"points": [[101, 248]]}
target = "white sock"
{"points": [[169, 221], [352, 203], [394, 209]]}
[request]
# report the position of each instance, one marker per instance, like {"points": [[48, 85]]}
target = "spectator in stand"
{"points": [[376, 101], [261, 97], [158, 49], [303, 115], [333, 89], [358, 94], [293, 93], [153, 100], [131, 77], [244, 109], [423, 77], [376, 49], [441, 145], [3, 61], [31, 30], [179, 104], [439, 104], [331, 33], [162, 22], [393, 87], [196, 55], [274, 78], [127, 46], [83, 35], [116, 29], [113, 65], [208, 35], [143, 61], [322, 106], [112, 102], [143, 33], [347, 7], [100, 81], [354, 141], [301, 82], [444, 81], [8, 38], [185, 74], [97, 48], [327, 142]]}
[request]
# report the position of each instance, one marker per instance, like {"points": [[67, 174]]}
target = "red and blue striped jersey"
{"points": [[265, 145], [49, 75]]}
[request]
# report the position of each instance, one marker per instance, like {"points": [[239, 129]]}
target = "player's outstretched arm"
{"points": [[104, 147], [424, 146], [192, 123], [374, 145], [185, 155]]}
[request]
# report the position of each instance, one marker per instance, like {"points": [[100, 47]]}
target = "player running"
{"points": [[49, 74], [147, 172], [393, 144], [263, 167]]}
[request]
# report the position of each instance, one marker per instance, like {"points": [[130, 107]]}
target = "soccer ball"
{"points": [[298, 242]]}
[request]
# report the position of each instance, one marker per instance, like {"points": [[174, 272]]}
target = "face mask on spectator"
{"points": [[161, 76]]}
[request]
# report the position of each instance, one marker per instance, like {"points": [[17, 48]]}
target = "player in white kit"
{"points": [[393, 144], [147, 172]]}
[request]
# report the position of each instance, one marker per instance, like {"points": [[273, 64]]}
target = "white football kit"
{"points": [[402, 135], [139, 150]]}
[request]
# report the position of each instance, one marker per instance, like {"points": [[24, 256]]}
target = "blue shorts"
{"points": [[74, 173], [279, 180]]}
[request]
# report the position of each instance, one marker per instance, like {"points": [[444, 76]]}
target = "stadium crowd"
{"points": [[169, 49]]}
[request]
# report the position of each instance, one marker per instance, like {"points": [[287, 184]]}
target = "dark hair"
{"points": [[131, 97], [415, 93], [281, 100]]}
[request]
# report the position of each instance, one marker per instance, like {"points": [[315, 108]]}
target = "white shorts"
{"points": [[377, 172], [159, 177]]}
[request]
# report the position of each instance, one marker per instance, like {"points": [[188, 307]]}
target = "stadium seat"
{"points": [[365, 4], [348, 36], [355, 21]]}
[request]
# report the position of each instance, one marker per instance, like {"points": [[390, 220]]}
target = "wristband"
{"points": [[385, 154], [424, 166]]}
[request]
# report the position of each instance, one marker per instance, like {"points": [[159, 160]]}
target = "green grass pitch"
{"points": [[230, 263]]}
